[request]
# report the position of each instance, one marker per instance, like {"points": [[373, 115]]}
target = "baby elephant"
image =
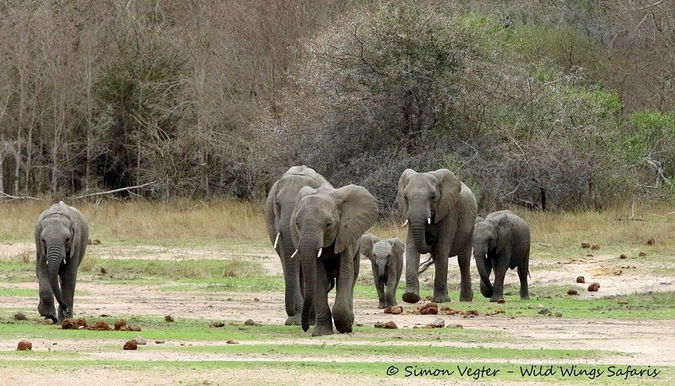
{"points": [[501, 241], [386, 257]]}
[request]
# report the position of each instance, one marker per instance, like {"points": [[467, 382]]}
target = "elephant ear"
{"points": [[397, 247], [271, 213], [400, 198], [450, 187], [502, 229], [358, 212], [366, 243]]}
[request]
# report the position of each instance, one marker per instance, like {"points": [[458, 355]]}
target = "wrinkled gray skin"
{"points": [[501, 241], [61, 235], [326, 226], [440, 212], [278, 210], [386, 258]]}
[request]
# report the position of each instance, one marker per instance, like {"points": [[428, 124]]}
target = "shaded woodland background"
{"points": [[549, 104]]}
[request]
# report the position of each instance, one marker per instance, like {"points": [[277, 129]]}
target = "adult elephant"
{"points": [[440, 211], [61, 235], [501, 241], [326, 226], [278, 210]]}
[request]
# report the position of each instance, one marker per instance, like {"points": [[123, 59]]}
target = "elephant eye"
{"points": [[433, 196]]}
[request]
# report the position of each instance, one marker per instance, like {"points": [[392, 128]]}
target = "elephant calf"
{"points": [[386, 257], [61, 234], [501, 241]]}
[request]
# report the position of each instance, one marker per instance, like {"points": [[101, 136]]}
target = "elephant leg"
{"points": [[412, 283], [293, 294], [46, 306], [68, 281], [501, 266], [464, 261], [390, 293], [522, 275], [343, 313], [441, 279], [324, 320]]}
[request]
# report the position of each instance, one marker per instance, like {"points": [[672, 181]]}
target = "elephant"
{"points": [[386, 257], [440, 212], [326, 226], [278, 210], [61, 237], [501, 241]]}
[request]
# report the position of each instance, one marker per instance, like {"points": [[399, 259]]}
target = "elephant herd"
{"points": [[318, 232]]}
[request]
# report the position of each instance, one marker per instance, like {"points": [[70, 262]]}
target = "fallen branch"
{"points": [[423, 267], [128, 189], [5, 195]]}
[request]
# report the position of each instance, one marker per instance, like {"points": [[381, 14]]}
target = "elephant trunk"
{"points": [[419, 217], [55, 255], [486, 287], [382, 270], [293, 290], [308, 251]]}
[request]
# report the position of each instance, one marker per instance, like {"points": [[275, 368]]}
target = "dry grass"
{"points": [[622, 227]]}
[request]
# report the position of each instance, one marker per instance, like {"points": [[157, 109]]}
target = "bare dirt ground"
{"points": [[640, 342]]}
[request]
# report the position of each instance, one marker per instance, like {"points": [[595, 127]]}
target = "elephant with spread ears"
{"points": [[326, 226], [278, 211], [501, 241], [61, 237], [386, 258], [440, 212]]}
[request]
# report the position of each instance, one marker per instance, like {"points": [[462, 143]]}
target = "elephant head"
{"points": [[278, 211], [326, 225], [426, 199], [383, 254], [61, 234]]}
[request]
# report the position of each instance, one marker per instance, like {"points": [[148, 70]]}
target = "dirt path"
{"points": [[641, 343]]}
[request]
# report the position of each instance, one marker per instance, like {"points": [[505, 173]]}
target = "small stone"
{"points": [[438, 323], [594, 287], [386, 325], [623, 256], [168, 318], [572, 292], [251, 322], [141, 340], [20, 316], [131, 345], [642, 254], [24, 345], [217, 324], [581, 279]]}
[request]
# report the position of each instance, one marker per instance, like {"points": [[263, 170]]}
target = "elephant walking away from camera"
{"points": [[278, 211], [386, 257], [326, 226], [501, 241], [440, 212], [61, 236]]}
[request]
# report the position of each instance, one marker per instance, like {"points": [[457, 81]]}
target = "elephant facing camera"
{"points": [[386, 258]]}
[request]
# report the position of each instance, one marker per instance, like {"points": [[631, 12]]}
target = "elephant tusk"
{"points": [[405, 223], [319, 254], [276, 240], [429, 220], [294, 253]]}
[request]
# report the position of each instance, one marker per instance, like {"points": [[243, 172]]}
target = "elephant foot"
{"points": [[524, 297], [294, 320], [410, 297], [381, 305], [322, 330], [497, 299], [441, 299]]}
